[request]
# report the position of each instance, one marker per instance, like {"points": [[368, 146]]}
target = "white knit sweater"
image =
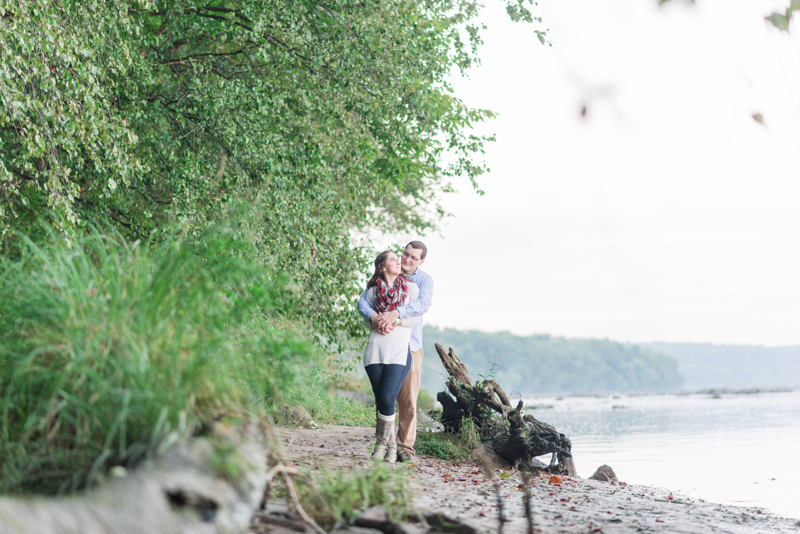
{"points": [[393, 347]]}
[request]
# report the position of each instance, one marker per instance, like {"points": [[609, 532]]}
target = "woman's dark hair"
{"points": [[380, 266]]}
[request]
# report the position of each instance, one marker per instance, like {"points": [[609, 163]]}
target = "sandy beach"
{"points": [[565, 505]]}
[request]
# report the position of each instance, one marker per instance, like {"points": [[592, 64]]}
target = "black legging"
{"points": [[386, 380]]}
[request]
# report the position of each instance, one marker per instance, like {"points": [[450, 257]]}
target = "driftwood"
{"points": [[503, 428]]}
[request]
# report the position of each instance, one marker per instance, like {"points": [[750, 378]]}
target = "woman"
{"points": [[387, 358]]}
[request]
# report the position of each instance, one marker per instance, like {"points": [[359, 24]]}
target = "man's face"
{"points": [[411, 259]]}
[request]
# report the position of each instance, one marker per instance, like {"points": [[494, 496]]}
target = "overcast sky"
{"points": [[666, 213]]}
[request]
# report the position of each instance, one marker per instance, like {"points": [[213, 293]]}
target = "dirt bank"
{"points": [[572, 506]]}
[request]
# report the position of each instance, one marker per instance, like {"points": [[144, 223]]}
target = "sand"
{"points": [[568, 505]]}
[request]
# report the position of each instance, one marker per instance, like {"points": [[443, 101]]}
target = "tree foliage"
{"points": [[779, 19], [782, 20], [331, 116]]}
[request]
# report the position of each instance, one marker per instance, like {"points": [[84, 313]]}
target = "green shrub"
{"points": [[322, 403], [450, 446], [110, 349]]}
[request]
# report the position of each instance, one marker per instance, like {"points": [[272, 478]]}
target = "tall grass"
{"points": [[336, 496], [449, 446], [109, 350]]}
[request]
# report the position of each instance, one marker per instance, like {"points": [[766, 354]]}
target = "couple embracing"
{"points": [[397, 296]]}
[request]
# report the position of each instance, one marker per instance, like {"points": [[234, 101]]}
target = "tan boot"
{"points": [[391, 449], [384, 431]]}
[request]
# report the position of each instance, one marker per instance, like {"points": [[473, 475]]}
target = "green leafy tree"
{"points": [[60, 130], [331, 116]]}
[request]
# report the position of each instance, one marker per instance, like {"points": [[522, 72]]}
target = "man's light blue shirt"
{"points": [[414, 309]]}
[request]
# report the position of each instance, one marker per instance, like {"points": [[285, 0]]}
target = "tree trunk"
{"points": [[515, 438]]}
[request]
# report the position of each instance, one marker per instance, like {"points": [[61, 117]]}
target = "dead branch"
{"points": [[514, 437]]}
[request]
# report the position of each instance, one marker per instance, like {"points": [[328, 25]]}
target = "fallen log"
{"points": [[516, 438]]}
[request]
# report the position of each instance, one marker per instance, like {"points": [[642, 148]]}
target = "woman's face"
{"points": [[393, 265]]}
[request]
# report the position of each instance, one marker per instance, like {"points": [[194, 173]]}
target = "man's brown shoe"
{"points": [[404, 455]]}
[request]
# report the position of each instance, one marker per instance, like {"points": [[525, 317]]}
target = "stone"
{"points": [[441, 522], [483, 453], [297, 416], [409, 528], [376, 518], [278, 518], [373, 517], [426, 423], [604, 473]]}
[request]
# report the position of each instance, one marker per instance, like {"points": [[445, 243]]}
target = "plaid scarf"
{"points": [[388, 298]]}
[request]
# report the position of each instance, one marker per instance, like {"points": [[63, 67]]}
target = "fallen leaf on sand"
{"points": [[555, 479]]}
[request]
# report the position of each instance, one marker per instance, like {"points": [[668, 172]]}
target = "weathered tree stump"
{"points": [[503, 428]]}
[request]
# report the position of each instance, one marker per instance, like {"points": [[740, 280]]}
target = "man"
{"points": [[413, 257]]}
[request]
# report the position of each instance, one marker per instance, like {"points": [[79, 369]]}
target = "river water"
{"points": [[741, 449]]}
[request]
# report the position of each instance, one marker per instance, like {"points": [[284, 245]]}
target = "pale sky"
{"points": [[667, 213]]}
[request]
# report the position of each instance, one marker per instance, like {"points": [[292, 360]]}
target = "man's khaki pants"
{"points": [[407, 405]]}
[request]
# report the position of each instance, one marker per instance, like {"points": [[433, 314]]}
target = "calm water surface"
{"points": [[738, 449]]}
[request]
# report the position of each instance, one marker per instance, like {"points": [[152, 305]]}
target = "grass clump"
{"points": [[449, 446], [323, 405], [334, 497], [110, 349], [335, 410]]}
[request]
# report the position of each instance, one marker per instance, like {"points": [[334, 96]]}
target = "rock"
{"points": [[278, 518], [483, 453], [604, 473], [376, 518], [409, 528], [426, 423], [441, 522], [297, 416], [364, 398], [373, 517], [177, 492]]}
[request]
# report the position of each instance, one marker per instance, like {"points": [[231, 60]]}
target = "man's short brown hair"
{"points": [[419, 245]]}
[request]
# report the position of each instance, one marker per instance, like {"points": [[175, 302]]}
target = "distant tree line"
{"points": [[706, 365], [547, 364]]}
